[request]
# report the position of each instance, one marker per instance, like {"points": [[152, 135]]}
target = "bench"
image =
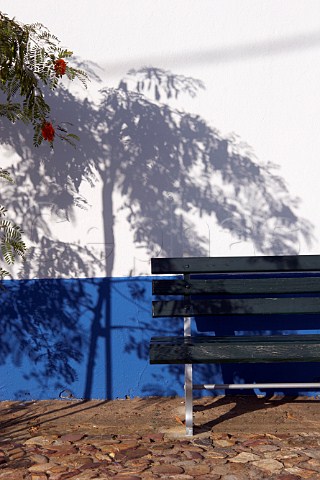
{"points": [[236, 288]]}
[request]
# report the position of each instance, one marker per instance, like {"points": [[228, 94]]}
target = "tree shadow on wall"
{"points": [[39, 325], [170, 168]]}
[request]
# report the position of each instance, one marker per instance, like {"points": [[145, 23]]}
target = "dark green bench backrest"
{"points": [[287, 263], [286, 284]]}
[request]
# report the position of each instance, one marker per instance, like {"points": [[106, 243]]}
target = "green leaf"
{"points": [[6, 176], [72, 135]]}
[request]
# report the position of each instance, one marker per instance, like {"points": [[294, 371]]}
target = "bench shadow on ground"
{"points": [[254, 409]]}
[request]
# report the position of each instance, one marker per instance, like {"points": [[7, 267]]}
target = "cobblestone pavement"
{"points": [[149, 454], [132, 457]]}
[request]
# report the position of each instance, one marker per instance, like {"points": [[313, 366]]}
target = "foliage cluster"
{"points": [[32, 60], [11, 243]]}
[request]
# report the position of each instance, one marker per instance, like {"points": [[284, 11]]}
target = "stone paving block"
{"points": [[12, 475], [232, 477], [211, 476], [63, 450], [245, 458], [224, 443], [197, 470], [86, 476], [136, 452], [39, 476], [295, 459], [41, 467], [228, 469], [127, 477], [103, 456], [166, 469], [41, 440], [303, 473], [287, 476], [266, 448], [268, 465], [312, 464], [312, 452], [37, 458], [195, 455], [72, 437]]}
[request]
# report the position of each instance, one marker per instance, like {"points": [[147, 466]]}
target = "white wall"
{"points": [[259, 61]]}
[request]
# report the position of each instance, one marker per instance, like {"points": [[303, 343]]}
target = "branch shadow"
{"points": [[170, 169], [39, 322], [18, 427]]}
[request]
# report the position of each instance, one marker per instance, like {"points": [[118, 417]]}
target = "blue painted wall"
{"points": [[84, 337], [88, 338]]}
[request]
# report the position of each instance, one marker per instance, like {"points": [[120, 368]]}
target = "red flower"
{"points": [[60, 67], [47, 131]]}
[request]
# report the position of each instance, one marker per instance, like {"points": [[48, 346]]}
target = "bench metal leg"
{"points": [[188, 387]]}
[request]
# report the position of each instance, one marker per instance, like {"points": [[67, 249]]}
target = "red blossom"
{"points": [[47, 131], [60, 67]]}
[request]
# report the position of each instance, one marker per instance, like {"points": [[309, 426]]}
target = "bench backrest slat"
{"points": [[237, 286], [284, 263], [232, 306]]}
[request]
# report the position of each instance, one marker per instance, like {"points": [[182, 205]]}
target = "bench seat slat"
{"points": [[236, 349], [284, 263], [236, 286], [238, 306]]}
